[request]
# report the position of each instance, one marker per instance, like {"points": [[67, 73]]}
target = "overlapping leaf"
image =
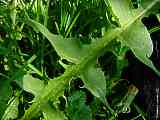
{"points": [[68, 48], [95, 81], [73, 51], [135, 36], [34, 86], [138, 39]]}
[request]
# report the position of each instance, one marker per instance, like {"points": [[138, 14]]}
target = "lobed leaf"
{"points": [[138, 39], [32, 85], [136, 36], [69, 74], [68, 48], [94, 80], [72, 50]]}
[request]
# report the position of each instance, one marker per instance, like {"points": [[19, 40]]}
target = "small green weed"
{"points": [[52, 53]]}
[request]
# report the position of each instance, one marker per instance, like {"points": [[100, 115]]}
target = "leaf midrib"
{"points": [[75, 70]]}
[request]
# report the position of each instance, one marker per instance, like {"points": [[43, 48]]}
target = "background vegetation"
{"points": [[96, 63]]}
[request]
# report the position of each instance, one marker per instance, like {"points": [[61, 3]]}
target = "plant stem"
{"points": [[58, 84]]}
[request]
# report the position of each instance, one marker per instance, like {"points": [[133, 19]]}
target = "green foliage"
{"points": [[4, 97], [50, 112], [35, 86], [32, 85], [124, 105], [77, 109], [42, 64], [68, 48], [94, 80], [3, 50], [122, 10], [73, 51], [153, 10], [132, 37], [12, 110]]}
